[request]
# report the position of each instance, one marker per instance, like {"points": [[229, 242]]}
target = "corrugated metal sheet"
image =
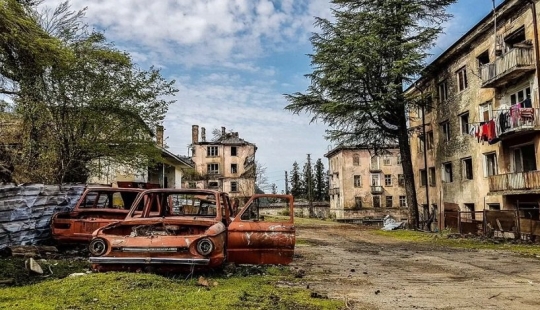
{"points": [[26, 210]]}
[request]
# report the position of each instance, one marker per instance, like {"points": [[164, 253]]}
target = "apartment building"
{"points": [[363, 186], [226, 164], [476, 138]]}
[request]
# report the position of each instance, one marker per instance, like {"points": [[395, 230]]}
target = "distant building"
{"points": [[363, 186], [226, 164]]}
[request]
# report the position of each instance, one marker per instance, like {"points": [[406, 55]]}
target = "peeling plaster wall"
{"points": [[26, 210]]}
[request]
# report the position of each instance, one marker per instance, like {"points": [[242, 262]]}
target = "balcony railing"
{"points": [[507, 67], [514, 181], [376, 189], [333, 191], [518, 120]]}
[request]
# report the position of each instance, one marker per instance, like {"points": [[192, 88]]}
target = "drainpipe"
{"points": [[425, 155], [536, 49]]}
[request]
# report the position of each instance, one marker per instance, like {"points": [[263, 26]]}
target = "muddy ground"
{"points": [[348, 262]]}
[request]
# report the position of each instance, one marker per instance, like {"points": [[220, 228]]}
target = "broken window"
{"points": [[402, 201], [494, 206], [485, 111], [234, 168], [467, 169], [482, 59], [445, 130], [234, 186], [431, 176], [388, 180], [357, 181], [421, 141], [356, 160], [212, 151], [423, 177], [387, 161], [443, 91], [524, 158], [464, 122], [389, 201], [212, 168], [514, 38], [401, 180], [233, 151], [429, 140], [447, 173], [213, 185], [376, 201], [490, 164], [462, 78]]}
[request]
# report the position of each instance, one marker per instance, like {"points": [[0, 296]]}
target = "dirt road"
{"points": [[373, 272]]}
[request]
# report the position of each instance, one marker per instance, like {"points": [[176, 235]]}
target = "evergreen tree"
{"points": [[321, 191], [295, 181], [362, 61], [307, 181]]}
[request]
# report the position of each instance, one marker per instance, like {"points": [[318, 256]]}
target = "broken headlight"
{"points": [[205, 246], [97, 247]]}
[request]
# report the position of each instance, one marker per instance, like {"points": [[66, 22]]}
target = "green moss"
{"points": [[149, 291], [441, 239]]}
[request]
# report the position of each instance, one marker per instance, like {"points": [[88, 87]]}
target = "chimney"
{"points": [[159, 135], [195, 134], [203, 134], [235, 134], [222, 131]]}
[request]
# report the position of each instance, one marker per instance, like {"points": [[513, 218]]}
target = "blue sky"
{"points": [[233, 60]]}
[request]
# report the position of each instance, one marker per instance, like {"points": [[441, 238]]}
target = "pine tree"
{"points": [[362, 61], [295, 181], [321, 191]]}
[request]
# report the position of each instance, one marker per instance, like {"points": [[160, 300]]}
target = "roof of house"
{"points": [[341, 148], [182, 160]]}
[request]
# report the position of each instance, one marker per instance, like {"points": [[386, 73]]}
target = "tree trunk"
{"points": [[408, 173]]}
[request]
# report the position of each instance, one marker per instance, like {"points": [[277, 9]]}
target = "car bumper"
{"points": [[150, 261]]}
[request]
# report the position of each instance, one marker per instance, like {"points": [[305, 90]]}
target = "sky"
{"points": [[233, 60]]}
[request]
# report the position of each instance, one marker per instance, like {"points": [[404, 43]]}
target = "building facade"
{"points": [[363, 186], [476, 136], [226, 164]]}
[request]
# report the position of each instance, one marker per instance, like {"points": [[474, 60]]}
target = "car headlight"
{"points": [[205, 246], [97, 247]]}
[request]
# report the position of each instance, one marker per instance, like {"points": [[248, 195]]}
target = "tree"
{"points": [[320, 189], [361, 63], [295, 181], [90, 105]]}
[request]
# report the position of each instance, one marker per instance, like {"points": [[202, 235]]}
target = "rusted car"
{"points": [[97, 207], [190, 227]]}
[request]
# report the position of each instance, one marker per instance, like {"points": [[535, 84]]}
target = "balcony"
{"points": [[333, 191], [375, 168], [377, 189], [519, 121], [507, 67], [512, 183]]}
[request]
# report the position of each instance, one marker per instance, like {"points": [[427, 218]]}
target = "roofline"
{"points": [[356, 148], [175, 157]]}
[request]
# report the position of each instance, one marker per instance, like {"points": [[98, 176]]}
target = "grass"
{"points": [[303, 221], [441, 239], [149, 291]]}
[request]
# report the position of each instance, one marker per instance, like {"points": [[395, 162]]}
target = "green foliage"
{"points": [[147, 291], [295, 180], [321, 186]]}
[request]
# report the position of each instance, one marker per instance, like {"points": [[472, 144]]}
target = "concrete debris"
{"points": [[32, 250], [33, 266], [203, 282], [77, 274], [389, 223]]}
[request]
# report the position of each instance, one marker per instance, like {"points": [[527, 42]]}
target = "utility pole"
{"points": [[286, 183], [310, 186]]}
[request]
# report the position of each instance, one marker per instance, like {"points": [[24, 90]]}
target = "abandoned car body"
{"points": [[190, 227], [97, 207]]}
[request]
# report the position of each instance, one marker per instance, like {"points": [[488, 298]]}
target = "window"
{"points": [[357, 181], [375, 163], [375, 180], [490, 164], [431, 176], [234, 186], [192, 185], [388, 180], [399, 159], [419, 112], [445, 129], [520, 96], [387, 161], [401, 180], [494, 206], [213, 185], [469, 207], [212, 151], [524, 158], [356, 160], [429, 140], [234, 168], [233, 151], [358, 202], [421, 142], [515, 37], [402, 202], [429, 104], [443, 91], [212, 168], [389, 201], [485, 111], [423, 177], [466, 169], [482, 59], [447, 173], [377, 201], [462, 79], [464, 121]]}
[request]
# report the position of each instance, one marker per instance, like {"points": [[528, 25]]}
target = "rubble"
{"points": [[33, 266], [389, 223]]}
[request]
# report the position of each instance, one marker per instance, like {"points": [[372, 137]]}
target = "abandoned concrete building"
{"points": [[476, 137], [364, 187], [226, 164]]}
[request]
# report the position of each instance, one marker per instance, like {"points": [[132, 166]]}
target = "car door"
{"points": [[263, 232]]}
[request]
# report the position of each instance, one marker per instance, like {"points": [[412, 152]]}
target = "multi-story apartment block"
{"points": [[476, 140], [364, 186], [226, 164]]}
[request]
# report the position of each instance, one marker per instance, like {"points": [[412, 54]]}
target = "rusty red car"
{"points": [[194, 227], [97, 207]]}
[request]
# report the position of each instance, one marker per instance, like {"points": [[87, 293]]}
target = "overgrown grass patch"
{"points": [[149, 291], [12, 268], [441, 239]]}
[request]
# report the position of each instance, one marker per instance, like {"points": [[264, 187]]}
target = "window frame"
{"points": [[212, 171], [403, 201], [359, 179], [461, 79], [466, 168], [423, 177], [388, 199], [432, 175], [447, 177], [445, 130], [210, 151], [495, 167], [442, 88], [235, 153], [388, 180], [234, 168], [235, 185], [464, 124]]}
